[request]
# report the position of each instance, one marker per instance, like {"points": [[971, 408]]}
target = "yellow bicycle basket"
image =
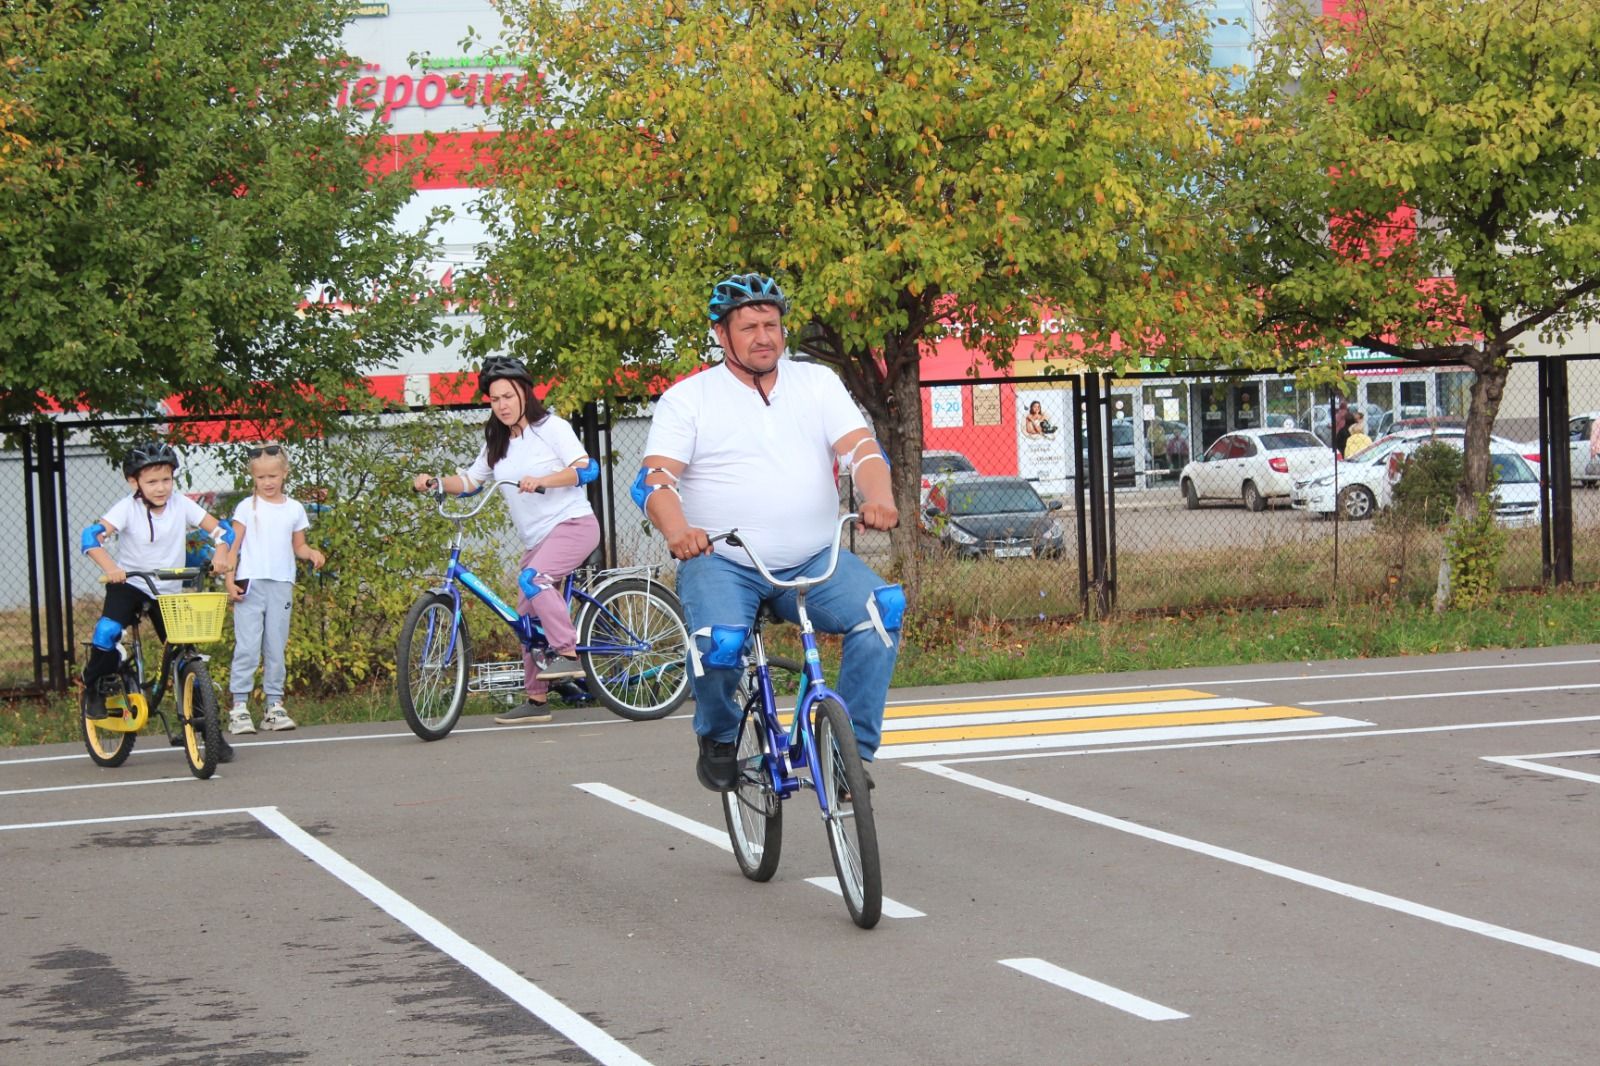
{"points": [[193, 617]]}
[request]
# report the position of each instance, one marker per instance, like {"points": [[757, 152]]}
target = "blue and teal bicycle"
{"points": [[817, 750], [632, 641]]}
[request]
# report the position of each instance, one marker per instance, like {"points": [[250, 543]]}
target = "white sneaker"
{"points": [[276, 719], [239, 722]]}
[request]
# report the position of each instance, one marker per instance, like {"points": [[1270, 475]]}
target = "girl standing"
{"points": [[270, 530]]}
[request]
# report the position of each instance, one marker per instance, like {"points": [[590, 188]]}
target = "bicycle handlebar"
{"points": [[441, 497], [733, 538], [184, 573]]}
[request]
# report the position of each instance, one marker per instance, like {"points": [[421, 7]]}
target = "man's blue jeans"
{"points": [[717, 592]]}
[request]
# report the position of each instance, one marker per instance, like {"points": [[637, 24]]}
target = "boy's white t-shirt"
{"points": [[152, 540], [767, 470], [269, 529], [537, 450]]}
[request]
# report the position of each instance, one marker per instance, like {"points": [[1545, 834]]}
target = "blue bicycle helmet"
{"points": [[743, 290], [498, 367], [148, 453]]}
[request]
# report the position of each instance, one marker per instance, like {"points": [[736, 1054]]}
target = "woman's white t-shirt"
{"points": [[153, 540], [267, 551], [767, 470], [537, 450]]}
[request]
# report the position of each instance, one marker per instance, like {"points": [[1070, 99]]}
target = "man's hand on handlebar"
{"points": [[689, 542], [875, 515], [425, 483]]}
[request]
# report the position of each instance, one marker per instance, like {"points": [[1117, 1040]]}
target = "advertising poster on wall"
{"points": [[1044, 428]]}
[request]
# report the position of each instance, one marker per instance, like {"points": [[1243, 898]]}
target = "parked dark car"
{"points": [[998, 517]]}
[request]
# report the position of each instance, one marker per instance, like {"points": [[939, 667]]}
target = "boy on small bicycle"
{"points": [[150, 525], [754, 444]]}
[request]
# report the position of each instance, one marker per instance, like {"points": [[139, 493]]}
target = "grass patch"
{"points": [[944, 647]]}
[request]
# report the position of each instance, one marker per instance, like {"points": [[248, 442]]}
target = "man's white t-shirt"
{"points": [[267, 552], [767, 470], [537, 450], [153, 540]]}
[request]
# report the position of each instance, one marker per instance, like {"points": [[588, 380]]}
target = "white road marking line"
{"points": [[569, 1023], [1088, 986], [113, 818], [1289, 873], [1052, 714], [719, 837], [1264, 740], [1531, 762], [1446, 695], [698, 830], [99, 784], [891, 908], [1211, 681], [938, 748]]}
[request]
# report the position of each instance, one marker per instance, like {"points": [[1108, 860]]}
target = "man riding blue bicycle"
{"points": [[754, 444]]}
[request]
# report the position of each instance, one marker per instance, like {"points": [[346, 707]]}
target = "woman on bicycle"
{"points": [[525, 443]]}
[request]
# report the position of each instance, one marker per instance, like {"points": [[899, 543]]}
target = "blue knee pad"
{"points": [[727, 648], [886, 611], [106, 634]]}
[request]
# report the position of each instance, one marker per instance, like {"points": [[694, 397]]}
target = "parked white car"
{"points": [[1252, 466], [1364, 484], [1578, 427]]}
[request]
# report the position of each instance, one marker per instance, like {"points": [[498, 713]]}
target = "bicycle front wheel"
{"points": [[634, 648], [852, 833], [431, 665], [196, 699], [753, 810]]}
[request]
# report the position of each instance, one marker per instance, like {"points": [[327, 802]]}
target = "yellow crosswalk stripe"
{"points": [[1097, 724], [1033, 703]]}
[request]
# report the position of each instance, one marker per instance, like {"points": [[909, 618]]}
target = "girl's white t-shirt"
{"points": [[269, 529], [537, 450], [152, 540], [766, 469]]}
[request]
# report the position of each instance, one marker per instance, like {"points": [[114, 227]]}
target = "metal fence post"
{"points": [[1555, 489]]}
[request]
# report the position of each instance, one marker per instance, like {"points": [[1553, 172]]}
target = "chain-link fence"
{"points": [[1215, 490]]}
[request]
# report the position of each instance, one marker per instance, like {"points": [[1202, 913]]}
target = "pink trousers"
{"points": [[558, 555]]}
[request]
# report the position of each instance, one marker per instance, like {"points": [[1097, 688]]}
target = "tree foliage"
{"points": [[175, 182], [904, 170], [1422, 177]]}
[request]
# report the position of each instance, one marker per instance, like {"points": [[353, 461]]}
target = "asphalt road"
{"points": [[1306, 863]]}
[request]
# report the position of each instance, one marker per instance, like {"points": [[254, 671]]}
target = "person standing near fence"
{"points": [[1356, 440], [753, 443], [270, 528], [526, 444]]}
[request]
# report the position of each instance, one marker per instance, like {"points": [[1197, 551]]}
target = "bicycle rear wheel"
{"points": [[196, 706], [431, 664], [852, 834], [754, 812], [634, 648], [107, 747]]}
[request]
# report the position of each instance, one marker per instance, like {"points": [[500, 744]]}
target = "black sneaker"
{"points": [[528, 712], [224, 752], [571, 692], [94, 697], [557, 667], [718, 764]]}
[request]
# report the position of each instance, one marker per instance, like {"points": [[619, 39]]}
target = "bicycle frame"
{"points": [[152, 688], [799, 750]]}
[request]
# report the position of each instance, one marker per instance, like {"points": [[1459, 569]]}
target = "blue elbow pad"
{"points": [[91, 536], [588, 472], [228, 535], [106, 634], [639, 491]]}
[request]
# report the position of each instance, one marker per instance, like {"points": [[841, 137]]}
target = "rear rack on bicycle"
{"points": [[506, 676]]}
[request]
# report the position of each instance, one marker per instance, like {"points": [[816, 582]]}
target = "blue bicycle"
{"points": [[819, 741], [632, 641]]}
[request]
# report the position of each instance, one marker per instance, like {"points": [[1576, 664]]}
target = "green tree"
{"points": [[1422, 177], [905, 170], [175, 183]]}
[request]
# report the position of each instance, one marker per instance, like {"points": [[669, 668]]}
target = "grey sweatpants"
{"points": [[260, 635]]}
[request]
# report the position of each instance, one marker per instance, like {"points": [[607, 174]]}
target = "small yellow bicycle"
{"points": [[190, 618]]}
